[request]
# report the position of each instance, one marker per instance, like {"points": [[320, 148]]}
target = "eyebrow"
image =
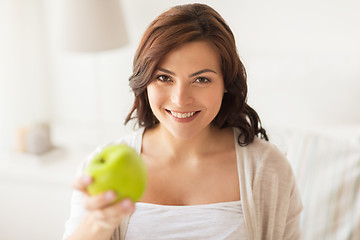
{"points": [[191, 75]]}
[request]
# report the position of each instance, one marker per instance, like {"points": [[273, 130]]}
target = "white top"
{"points": [[216, 221], [271, 203]]}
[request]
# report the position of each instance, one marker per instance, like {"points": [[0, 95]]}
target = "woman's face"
{"points": [[186, 92]]}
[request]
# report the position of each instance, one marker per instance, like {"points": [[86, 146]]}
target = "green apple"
{"points": [[118, 168]]}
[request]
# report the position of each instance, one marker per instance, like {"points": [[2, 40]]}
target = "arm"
{"points": [[102, 215]]}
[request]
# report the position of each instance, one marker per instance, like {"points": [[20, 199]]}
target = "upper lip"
{"points": [[174, 111]]}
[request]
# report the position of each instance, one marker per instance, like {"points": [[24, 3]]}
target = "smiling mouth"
{"points": [[182, 115]]}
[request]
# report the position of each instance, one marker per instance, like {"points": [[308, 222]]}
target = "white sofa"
{"points": [[326, 163]]}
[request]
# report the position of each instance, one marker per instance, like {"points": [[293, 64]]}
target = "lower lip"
{"points": [[183, 120]]}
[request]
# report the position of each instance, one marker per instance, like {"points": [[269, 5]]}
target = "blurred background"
{"points": [[302, 60]]}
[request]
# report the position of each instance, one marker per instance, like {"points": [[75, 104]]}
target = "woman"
{"points": [[211, 172]]}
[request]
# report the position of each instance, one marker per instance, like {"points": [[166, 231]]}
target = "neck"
{"points": [[208, 140]]}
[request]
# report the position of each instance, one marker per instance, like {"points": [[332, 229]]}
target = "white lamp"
{"points": [[93, 25]]}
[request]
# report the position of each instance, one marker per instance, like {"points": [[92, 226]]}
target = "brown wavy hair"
{"points": [[175, 27]]}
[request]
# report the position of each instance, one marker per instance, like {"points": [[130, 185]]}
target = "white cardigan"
{"points": [[270, 199]]}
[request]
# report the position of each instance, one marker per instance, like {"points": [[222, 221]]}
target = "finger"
{"points": [[100, 201], [82, 183], [119, 210], [125, 206]]}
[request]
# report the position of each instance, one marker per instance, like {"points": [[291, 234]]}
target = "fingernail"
{"points": [[110, 195], [86, 179], [127, 204]]}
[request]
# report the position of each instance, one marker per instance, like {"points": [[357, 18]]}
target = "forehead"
{"points": [[196, 54]]}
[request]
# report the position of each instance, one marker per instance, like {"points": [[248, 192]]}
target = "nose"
{"points": [[181, 94]]}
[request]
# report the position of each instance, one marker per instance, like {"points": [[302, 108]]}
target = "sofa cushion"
{"points": [[327, 169]]}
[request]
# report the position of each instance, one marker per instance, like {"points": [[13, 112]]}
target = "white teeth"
{"points": [[182, 115]]}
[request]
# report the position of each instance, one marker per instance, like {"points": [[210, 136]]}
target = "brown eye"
{"points": [[163, 78], [202, 80]]}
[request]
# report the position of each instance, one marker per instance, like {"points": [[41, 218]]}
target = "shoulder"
{"points": [[263, 159], [270, 171], [266, 154], [132, 139]]}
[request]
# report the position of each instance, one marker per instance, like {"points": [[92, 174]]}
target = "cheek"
{"points": [[213, 98], [155, 96]]}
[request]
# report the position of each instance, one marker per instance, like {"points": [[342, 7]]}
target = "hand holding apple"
{"points": [[102, 211], [118, 168]]}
